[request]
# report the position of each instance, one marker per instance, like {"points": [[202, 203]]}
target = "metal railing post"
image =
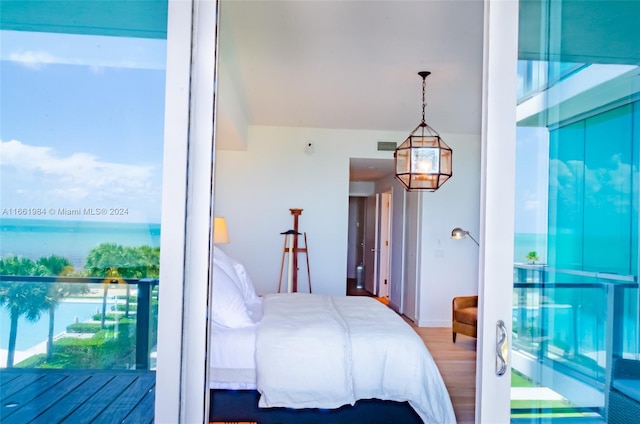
{"points": [[143, 319]]}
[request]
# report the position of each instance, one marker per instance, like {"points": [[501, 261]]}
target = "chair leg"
{"points": [[454, 336]]}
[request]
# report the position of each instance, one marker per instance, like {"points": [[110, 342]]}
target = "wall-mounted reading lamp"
{"points": [[459, 234]]}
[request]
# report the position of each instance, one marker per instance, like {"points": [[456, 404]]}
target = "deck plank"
{"points": [[127, 400], [13, 403], [74, 399], [76, 396], [48, 398], [6, 379], [94, 407], [143, 413], [15, 382]]}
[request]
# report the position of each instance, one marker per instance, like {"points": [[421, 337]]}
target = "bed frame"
{"points": [[242, 405]]}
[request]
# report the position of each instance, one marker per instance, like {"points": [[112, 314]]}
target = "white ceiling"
{"points": [[350, 64]]}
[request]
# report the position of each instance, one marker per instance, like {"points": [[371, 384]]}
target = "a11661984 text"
{"points": [[41, 212], [24, 212]]}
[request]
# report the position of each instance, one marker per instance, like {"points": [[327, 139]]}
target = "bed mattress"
{"points": [[316, 351], [232, 356]]}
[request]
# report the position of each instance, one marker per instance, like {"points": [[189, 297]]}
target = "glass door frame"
{"points": [[496, 206], [187, 212], [181, 394]]}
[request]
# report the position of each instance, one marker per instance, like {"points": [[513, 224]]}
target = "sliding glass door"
{"points": [[81, 127], [572, 309], [575, 299], [95, 137]]}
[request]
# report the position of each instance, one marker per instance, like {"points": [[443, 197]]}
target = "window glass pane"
{"points": [[607, 210], [566, 191], [575, 302], [81, 141]]}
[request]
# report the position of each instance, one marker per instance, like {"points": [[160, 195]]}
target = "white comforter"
{"points": [[316, 351]]}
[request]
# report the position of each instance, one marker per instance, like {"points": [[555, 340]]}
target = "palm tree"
{"points": [[144, 262], [56, 266], [20, 298], [114, 262], [108, 261]]}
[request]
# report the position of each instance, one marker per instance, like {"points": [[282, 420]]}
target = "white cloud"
{"points": [[35, 50], [33, 59], [77, 176]]}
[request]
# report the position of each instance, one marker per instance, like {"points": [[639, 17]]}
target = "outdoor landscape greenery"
{"points": [[112, 344]]}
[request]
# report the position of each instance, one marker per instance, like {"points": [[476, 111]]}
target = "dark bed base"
{"points": [[242, 405]]}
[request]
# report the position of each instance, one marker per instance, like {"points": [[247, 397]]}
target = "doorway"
{"points": [[369, 245], [355, 251]]}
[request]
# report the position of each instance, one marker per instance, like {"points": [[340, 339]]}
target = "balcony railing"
{"points": [[569, 326], [134, 299]]}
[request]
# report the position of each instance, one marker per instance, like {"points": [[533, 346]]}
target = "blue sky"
{"points": [[81, 123], [531, 180]]}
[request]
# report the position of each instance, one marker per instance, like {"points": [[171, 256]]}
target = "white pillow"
{"points": [[246, 285], [228, 307], [239, 275]]}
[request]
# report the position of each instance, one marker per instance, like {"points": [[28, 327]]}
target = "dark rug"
{"points": [[242, 405]]}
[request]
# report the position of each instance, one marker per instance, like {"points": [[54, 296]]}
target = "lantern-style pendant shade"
{"points": [[423, 160]]}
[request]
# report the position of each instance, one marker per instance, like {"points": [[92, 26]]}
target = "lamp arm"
{"points": [[474, 240]]}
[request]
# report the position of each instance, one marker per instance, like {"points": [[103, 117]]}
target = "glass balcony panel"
{"points": [[81, 152]]}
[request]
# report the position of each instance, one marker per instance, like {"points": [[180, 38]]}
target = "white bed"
{"points": [[315, 351], [233, 362]]}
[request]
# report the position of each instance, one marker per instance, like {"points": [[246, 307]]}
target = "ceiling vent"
{"points": [[387, 146]]}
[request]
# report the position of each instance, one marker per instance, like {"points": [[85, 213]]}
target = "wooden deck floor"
{"points": [[83, 396], [76, 396]]}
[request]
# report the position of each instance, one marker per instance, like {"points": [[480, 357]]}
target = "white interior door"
{"points": [[385, 244], [370, 248], [497, 211]]}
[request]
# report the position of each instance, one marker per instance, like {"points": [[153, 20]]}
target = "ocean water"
{"points": [[528, 242], [36, 238]]}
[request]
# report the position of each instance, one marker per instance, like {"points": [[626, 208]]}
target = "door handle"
{"points": [[502, 349]]}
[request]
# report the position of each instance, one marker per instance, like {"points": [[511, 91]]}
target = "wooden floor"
{"points": [[84, 396], [457, 364], [76, 396], [456, 361]]}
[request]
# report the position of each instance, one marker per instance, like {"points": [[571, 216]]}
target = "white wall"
{"points": [[449, 268], [255, 189], [231, 117], [362, 188]]}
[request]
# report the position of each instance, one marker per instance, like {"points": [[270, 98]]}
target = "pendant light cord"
{"points": [[424, 84]]}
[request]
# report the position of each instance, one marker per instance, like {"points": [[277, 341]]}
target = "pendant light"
{"points": [[423, 160]]}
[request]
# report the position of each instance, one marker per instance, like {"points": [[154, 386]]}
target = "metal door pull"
{"points": [[502, 349]]}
